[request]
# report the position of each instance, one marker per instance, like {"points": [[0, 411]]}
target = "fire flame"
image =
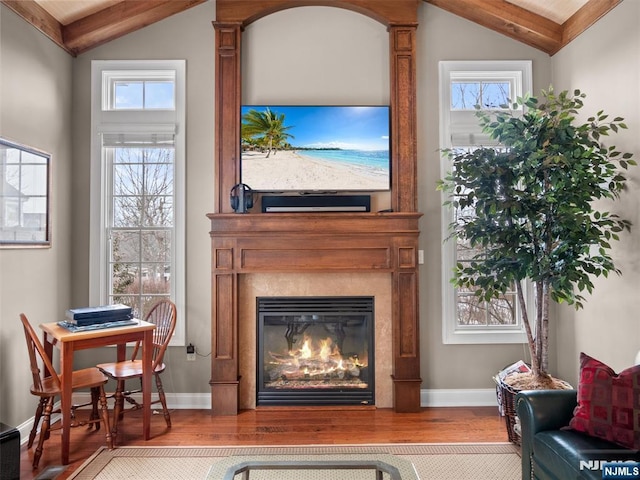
{"points": [[320, 359], [326, 352], [315, 363], [325, 349], [305, 351]]}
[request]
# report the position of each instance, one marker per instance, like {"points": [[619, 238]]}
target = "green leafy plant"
{"points": [[530, 207]]}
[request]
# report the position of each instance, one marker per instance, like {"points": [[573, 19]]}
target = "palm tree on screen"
{"points": [[267, 127]]}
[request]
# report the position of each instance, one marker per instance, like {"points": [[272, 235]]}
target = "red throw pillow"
{"points": [[608, 404]]}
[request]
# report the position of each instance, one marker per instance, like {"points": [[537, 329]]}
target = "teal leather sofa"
{"points": [[551, 452]]}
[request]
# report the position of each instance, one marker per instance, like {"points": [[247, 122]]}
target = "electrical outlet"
{"points": [[191, 353]]}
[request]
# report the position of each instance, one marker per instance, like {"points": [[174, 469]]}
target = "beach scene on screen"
{"points": [[315, 148]]}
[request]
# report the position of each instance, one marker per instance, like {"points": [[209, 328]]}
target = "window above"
{"points": [[486, 94], [139, 90]]}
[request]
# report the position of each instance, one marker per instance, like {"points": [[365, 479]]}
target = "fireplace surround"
{"points": [[252, 286], [315, 243]]}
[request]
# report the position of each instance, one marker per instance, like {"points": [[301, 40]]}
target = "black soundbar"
{"points": [[316, 203]]}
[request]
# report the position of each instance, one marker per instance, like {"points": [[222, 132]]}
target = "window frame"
{"points": [[33, 167], [106, 120], [465, 124]]}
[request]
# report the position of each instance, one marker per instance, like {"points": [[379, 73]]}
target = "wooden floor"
{"points": [[280, 427]]}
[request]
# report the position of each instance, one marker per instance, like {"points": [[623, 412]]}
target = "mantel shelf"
{"points": [[315, 223]]}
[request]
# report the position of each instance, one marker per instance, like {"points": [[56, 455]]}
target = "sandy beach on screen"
{"points": [[291, 170]]}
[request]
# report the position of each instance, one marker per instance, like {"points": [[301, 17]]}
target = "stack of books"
{"points": [[90, 318]]}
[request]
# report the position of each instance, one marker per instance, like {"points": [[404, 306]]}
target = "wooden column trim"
{"points": [[227, 112], [225, 378], [403, 119]]}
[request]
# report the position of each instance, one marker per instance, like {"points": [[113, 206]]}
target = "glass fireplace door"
{"points": [[315, 351]]}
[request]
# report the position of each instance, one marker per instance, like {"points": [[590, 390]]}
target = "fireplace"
{"points": [[315, 351], [286, 254]]}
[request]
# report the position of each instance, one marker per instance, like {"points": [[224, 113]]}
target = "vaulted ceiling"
{"points": [[80, 25]]}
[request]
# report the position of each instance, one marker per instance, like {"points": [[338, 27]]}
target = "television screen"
{"points": [[315, 148]]}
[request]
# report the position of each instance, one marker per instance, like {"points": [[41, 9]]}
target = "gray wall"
{"points": [[604, 62], [35, 109], [44, 283]]}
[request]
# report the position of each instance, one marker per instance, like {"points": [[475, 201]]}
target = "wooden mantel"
{"points": [[315, 242]]}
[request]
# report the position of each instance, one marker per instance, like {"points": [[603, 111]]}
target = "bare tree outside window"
{"points": [[468, 95], [141, 226], [471, 309]]}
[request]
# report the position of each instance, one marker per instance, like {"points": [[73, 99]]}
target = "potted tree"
{"points": [[530, 210]]}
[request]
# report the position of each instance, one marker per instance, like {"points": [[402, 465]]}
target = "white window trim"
{"points": [[451, 332], [109, 121]]}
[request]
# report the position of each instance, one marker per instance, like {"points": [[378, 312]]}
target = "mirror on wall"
{"points": [[25, 178]]}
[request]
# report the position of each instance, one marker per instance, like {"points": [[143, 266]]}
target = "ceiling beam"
{"points": [[101, 27], [589, 14], [129, 15], [509, 19], [39, 18], [118, 20], [534, 30]]}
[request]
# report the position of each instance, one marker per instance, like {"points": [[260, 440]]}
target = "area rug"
{"points": [[485, 461]]}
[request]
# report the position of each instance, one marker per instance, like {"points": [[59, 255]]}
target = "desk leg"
{"points": [[66, 367], [147, 354]]}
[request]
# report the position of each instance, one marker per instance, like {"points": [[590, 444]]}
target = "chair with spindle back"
{"points": [[47, 385], [163, 314]]}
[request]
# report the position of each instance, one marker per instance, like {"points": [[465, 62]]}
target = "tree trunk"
{"points": [[535, 364], [543, 335]]}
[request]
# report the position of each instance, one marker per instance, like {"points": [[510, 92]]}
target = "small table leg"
{"points": [[147, 353]]}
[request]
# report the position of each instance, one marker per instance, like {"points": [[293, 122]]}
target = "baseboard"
{"points": [[478, 397], [472, 397], [202, 401]]}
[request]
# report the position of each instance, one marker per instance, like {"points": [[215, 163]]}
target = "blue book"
{"points": [[107, 319], [117, 310], [96, 326]]}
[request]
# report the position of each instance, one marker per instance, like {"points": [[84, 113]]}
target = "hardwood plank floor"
{"points": [[275, 426]]}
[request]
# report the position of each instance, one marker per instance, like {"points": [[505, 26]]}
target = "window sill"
{"points": [[463, 337]]}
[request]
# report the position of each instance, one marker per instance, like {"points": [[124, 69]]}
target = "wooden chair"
{"points": [[163, 315], [47, 386]]}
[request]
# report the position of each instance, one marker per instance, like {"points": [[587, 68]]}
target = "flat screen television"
{"points": [[315, 148]]}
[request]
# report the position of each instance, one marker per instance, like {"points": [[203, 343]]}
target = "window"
{"points": [[139, 90], [137, 185], [24, 196], [463, 85]]}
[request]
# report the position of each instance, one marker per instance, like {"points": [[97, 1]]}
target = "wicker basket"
{"points": [[507, 398]]}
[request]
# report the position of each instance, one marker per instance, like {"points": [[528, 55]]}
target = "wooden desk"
{"points": [[68, 342]]}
